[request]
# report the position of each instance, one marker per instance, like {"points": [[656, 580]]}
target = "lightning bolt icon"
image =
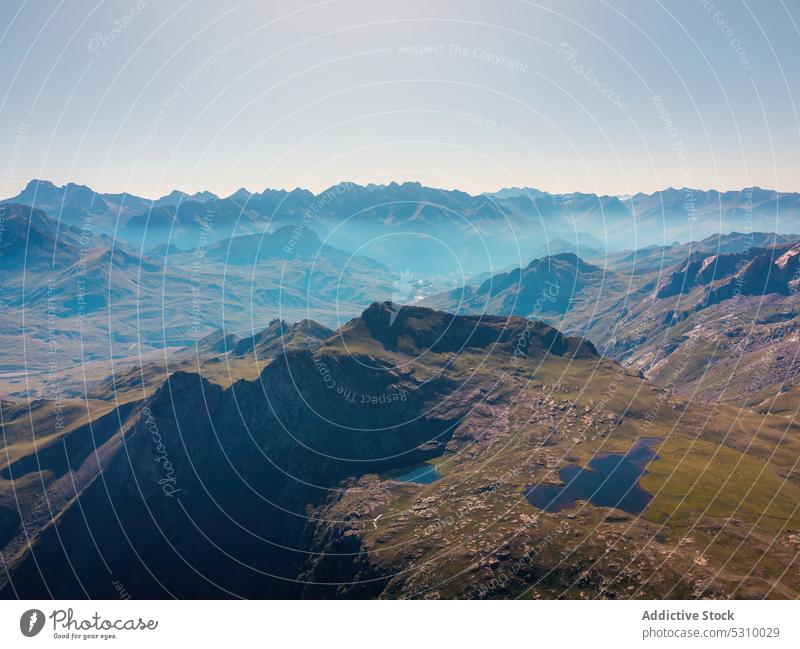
{"points": [[32, 621]]}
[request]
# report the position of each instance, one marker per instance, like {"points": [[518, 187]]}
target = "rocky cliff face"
{"points": [[757, 271]]}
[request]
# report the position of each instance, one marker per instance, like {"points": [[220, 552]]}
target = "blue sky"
{"points": [[607, 97]]}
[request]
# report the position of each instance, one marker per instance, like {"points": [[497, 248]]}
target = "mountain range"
{"points": [[397, 391], [425, 230]]}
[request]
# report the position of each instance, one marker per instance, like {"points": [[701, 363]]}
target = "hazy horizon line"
{"points": [[524, 188]]}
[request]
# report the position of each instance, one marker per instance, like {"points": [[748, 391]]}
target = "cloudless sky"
{"points": [[609, 97]]}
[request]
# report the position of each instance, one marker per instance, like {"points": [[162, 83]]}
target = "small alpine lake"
{"points": [[424, 473], [610, 480]]}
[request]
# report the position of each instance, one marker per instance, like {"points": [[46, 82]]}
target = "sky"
{"points": [[610, 97]]}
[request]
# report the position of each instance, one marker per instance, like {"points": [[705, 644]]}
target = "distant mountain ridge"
{"points": [[353, 214], [48, 196]]}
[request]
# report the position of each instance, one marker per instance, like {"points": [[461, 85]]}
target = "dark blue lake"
{"points": [[421, 474], [610, 480]]}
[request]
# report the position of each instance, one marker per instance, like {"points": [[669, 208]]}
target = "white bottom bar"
{"points": [[404, 624]]}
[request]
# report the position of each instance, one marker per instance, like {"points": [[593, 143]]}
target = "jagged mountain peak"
{"points": [[415, 329]]}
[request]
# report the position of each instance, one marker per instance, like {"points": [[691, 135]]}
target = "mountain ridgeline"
{"points": [[424, 229], [713, 307]]}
